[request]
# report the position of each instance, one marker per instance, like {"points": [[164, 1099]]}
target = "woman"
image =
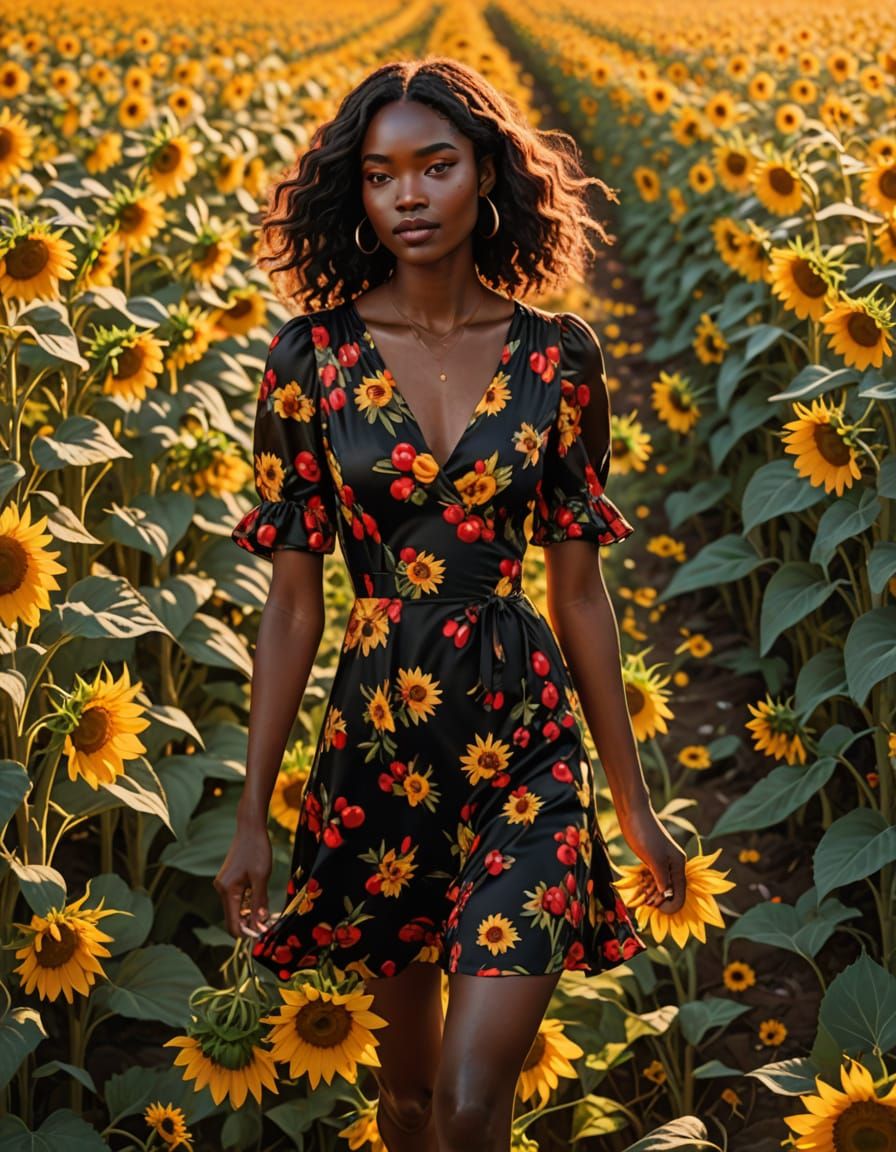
{"points": [[448, 822]]}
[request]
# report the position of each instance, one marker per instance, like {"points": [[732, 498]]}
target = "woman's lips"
{"points": [[416, 235]]}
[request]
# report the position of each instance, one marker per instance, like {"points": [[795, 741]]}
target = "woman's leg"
{"points": [[408, 1051], [489, 1029]]}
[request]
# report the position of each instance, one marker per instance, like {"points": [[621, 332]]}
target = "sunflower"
{"points": [[379, 710], [213, 254], [377, 391], [134, 110], [851, 1120], [190, 332], [761, 87], [772, 1033], [721, 110], [789, 118], [700, 177], [859, 330], [803, 280], [734, 164], [246, 310], [16, 146], [688, 127], [105, 153], [777, 186], [702, 884], [231, 1068], [648, 183], [547, 1059], [395, 871], [183, 101], [138, 215], [885, 237], [424, 573], [289, 790], [323, 1033], [27, 570], [363, 1130], [137, 367], [229, 170], [368, 625], [101, 721], [820, 440], [418, 692], [14, 82], [102, 263], [659, 95], [522, 806], [34, 261], [60, 955], [738, 976], [674, 401], [777, 731], [170, 1124], [804, 91], [630, 445], [730, 239], [695, 756], [709, 344], [645, 697], [497, 933], [485, 758]]}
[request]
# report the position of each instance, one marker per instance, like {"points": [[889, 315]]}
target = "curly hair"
{"points": [[540, 191]]}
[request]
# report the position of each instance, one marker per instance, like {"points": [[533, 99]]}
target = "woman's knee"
{"points": [[475, 1119], [407, 1107]]}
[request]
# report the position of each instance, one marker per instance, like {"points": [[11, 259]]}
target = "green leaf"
{"points": [[205, 845], [11, 472], [881, 565], [803, 930], [153, 524], [814, 380], [886, 477], [128, 931], [596, 1116], [857, 1014], [705, 494], [153, 983], [62, 1131], [851, 515], [241, 1129], [772, 799], [98, 607], [687, 1132], [128, 1093], [176, 601], [822, 677], [140, 789], [15, 784], [794, 1077], [775, 489], [77, 442], [47, 322], [720, 561], [855, 846], [208, 640], [714, 1069], [79, 1074], [795, 590], [21, 1030], [870, 651], [43, 887], [698, 1017]]}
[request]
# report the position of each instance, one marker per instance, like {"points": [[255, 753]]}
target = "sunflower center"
{"points": [[863, 330], [807, 279], [781, 181], [27, 259], [54, 953], [129, 363], [866, 1126], [5, 144], [292, 794], [92, 731], [495, 933], [535, 1053], [488, 761], [13, 565], [323, 1025], [239, 309], [131, 217], [167, 1124], [417, 692], [634, 698]]}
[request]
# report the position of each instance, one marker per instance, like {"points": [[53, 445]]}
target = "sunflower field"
{"points": [[746, 311]]}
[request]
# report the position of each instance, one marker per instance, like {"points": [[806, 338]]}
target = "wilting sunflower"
{"points": [[804, 280], [777, 186], [323, 1033], [27, 570], [645, 697], [231, 1067], [709, 344], [702, 884], [548, 1058], [170, 1124], [363, 1130], [674, 401], [33, 259], [853, 1120], [821, 441], [100, 721], [777, 731], [16, 146], [60, 955], [859, 330]]}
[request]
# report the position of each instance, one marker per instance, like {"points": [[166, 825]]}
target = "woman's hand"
{"points": [[246, 868], [650, 841]]}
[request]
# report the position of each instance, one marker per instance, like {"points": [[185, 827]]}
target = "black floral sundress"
{"points": [[449, 814]]}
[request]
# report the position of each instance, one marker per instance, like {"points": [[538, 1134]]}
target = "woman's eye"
{"points": [[438, 164]]}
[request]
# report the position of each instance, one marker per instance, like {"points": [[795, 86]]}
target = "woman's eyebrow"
{"points": [[425, 151]]}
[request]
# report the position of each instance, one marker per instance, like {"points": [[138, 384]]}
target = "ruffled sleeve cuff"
{"points": [[284, 524]]}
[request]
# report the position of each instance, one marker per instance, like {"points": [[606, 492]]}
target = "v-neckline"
{"points": [[372, 345]]}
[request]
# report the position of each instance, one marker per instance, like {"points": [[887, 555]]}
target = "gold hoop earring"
{"points": [[358, 239], [497, 219]]}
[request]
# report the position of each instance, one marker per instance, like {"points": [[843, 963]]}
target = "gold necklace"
{"points": [[461, 328]]}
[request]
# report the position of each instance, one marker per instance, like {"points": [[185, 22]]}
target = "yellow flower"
{"points": [[60, 956], [170, 1124], [819, 438], [695, 756], [777, 731], [497, 933], [859, 331], [16, 138], [645, 697], [856, 1118], [548, 1058], [322, 1034], [420, 695], [738, 976], [363, 1131], [485, 758], [702, 884], [249, 1067], [772, 1033], [27, 570], [34, 263], [101, 721]]}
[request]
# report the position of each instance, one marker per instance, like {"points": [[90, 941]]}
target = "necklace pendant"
{"points": [[442, 376]]}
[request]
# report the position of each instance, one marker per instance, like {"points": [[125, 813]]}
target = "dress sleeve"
{"points": [[570, 503], [292, 478]]}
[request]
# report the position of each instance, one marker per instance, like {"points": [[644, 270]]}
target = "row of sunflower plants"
{"points": [[758, 209], [133, 328]]}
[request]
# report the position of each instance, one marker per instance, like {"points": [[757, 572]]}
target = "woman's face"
{"points": [[415, 163]]}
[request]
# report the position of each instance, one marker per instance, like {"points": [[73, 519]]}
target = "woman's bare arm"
{"points": [[582, 616], [289, 635]]}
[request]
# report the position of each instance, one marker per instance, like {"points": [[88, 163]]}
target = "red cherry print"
{"points": [[567, 719], [336, 399], [323, 935], [406, 844], [494, 862], [453, 514], [540, 663], [572, 835], [501, 780], [564, 517], [469, 531], [328, 374], [388, 967], [479, 466], [461, 635], [353, 816], [402, 488], [320, 336], [538, 362], [407, 555], [339, 739], [348, 354], [282, 954], [385, 781], [275, 340], [403, 456], [339, 803], [347, 935], [566, 855], [374, 884], [398, 769], [498, 700], [307, 466], [576, 912], [554, 900], [358, 528], [449, 627], [550, 730], [561, 772], [266, 535], [553, 353], [570, 881], [583, 395], [521, 737], [332, 836], [549, 695], [487, 534]]}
